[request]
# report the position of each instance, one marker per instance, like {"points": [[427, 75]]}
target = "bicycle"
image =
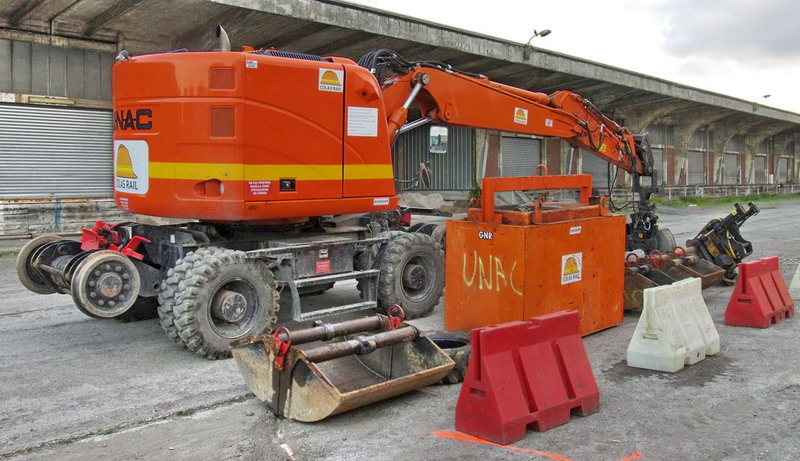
{"points": [[422, 181]]}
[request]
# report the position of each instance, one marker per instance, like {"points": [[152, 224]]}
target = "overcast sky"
{"points": [[741, 48]]}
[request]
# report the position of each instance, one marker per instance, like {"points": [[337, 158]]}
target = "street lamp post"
{"points": [[526, 52]]}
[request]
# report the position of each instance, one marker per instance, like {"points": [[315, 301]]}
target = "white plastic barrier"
{"points": [[674, 329], [794, 287]]}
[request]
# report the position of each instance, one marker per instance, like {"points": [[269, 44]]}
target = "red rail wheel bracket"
{"points": [[282, 347], [396, 316]]}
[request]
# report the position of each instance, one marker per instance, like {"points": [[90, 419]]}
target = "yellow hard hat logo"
{"points": [[330, 78], [571, 267], [124, 165], [520, 114]]}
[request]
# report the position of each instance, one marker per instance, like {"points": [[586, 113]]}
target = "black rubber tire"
{"points": [[457, 345], [144, 308], [169, 288], [364, 260], [400, 251], [439, 236], [198, 276]]}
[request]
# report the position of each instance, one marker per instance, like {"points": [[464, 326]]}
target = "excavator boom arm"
{"points": [[458, 99]]}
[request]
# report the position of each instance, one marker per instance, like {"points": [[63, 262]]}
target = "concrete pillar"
{"points": [[754, 136], [492, 168]]}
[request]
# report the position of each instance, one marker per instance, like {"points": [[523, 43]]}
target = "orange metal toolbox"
{"points": [[506, 265]]}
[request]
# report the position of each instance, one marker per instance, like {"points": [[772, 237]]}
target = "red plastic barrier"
{"points": [[526, 374], [761, 297]]}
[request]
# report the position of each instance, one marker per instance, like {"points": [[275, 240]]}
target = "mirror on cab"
{"points": [[438, 140]]}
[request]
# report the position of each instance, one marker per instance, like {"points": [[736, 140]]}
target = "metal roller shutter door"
{"points": [[659, 165], [731, 166], [450, 171], [520, 156], [596, 167], [760, 170], [50, 152], [783, 170], [697, 168]]}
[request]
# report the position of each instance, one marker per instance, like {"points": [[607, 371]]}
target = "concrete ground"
{"points": [[78, 388]]}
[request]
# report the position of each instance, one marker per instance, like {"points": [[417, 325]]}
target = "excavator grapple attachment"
{"points": [[311, 374]]}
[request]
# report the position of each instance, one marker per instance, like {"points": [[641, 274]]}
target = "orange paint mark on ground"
{"points": [[471, 439], [633, 456]]}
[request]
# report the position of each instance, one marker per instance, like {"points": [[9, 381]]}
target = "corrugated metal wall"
{"points": [[697, 141], [42, 69], [735, 144], [783, 170], [596, 167], [697, 167], [660, 165], [763, 147], [731, 167], [661, 134], [519, 156], [760, 169], [451, 171], [50, 152]]}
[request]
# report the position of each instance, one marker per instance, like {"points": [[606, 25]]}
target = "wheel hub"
{"points": [[415, 276], [230, 306], [109, 284]]}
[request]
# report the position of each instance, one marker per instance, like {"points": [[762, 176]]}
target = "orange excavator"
{"points": [[281, 164]]}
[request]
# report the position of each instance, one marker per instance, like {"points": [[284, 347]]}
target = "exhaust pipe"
{"points": [[224, 41]]}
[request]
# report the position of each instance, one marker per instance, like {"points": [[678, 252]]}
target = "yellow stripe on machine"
{"points": [[368, 172], [241, 172]]}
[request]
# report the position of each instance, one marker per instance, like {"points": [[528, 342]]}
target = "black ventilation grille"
{"points": [[289, 54]]}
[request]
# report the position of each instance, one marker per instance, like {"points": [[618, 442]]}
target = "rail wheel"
{"points": [[218, 296], [412, 274], [730, 277], [665, 241], [105, 284], [27, 276]]}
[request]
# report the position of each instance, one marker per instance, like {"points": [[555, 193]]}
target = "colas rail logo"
{"points": [[131, 167], [520, 116], [331, 80], [571, 268]]}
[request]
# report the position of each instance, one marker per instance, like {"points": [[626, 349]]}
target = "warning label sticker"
{"points": [[259, 187], [362, 121], [571, 268], [131, 167], [331, 80], [520, 116], [322, 266]]}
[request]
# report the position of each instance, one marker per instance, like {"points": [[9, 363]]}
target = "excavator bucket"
{"points": [[658, 270], [311, 374], [691, 266]]}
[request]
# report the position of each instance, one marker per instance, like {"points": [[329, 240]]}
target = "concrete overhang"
{"points": [[333, 27]]}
